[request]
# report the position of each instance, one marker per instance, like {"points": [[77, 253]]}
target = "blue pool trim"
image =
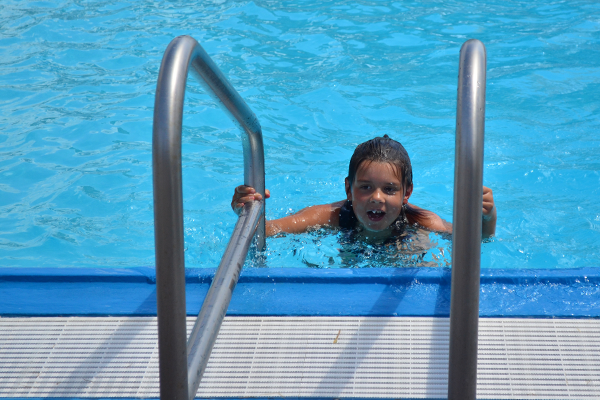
{"points": [[559, 293]]}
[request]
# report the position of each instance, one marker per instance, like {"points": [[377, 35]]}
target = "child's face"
{"points": [[377, 195]]}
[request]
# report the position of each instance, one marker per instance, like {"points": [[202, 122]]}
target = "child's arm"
{"points": [[303, 220], [321, 215], [433, 222]]}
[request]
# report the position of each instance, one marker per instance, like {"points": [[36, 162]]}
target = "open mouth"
{"points": [[375, 215]]}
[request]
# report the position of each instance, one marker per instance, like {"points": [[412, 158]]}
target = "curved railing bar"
{"points": [[467, 220], [214, 308], [182, 53]]}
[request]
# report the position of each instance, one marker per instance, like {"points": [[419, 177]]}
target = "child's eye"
{"points": [[365, 187], [390, 190]]}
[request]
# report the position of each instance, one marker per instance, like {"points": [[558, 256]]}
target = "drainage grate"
{"points": [[302, 357]]}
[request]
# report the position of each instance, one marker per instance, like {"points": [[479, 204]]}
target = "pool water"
{"points": [[77, 94]]}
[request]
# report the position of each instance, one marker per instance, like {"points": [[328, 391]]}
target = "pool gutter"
{"points": [[558, 293]]}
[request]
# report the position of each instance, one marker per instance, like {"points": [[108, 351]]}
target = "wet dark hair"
{"points": [[383, 150]]}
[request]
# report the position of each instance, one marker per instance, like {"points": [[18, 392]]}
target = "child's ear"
{"points": [[407, 194], [348, 191]]}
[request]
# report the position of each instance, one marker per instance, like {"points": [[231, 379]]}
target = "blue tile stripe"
{"points": [[562, 293]]}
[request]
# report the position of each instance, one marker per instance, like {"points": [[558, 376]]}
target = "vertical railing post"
{"points": [[168, 220], [467, 219]]}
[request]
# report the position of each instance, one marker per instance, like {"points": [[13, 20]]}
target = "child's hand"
{"points": [[488, 203], [244, 194], [488, 226], [489, 210]]}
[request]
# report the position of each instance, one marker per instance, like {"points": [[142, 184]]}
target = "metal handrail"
{"points": [[205, 331], [467, 220], [182, 53]]}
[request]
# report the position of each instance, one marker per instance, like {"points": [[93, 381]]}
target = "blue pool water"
{"points": [[76, 100]]}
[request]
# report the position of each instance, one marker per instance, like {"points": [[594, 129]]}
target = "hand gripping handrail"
{"points": [[182, 53], [467, 220]]}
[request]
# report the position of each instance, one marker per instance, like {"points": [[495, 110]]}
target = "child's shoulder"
{"points": [[323, 214], [427, 219]]}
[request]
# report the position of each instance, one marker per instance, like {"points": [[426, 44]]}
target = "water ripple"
{"points": [[77, 95]]}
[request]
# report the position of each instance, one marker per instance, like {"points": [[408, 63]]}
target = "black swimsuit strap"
{"points": [[347, 217]]}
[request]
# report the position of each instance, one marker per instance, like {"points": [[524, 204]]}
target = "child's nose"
{"points": [[377, 196]]}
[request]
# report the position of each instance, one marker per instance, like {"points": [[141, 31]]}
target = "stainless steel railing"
{"points": [[466, 236], [181, 364], [174, 362]]}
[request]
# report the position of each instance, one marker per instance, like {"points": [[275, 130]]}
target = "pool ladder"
{"points": [[182, 362]]}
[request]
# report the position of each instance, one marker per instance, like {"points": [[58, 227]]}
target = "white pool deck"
{"points": [[351, 357]]}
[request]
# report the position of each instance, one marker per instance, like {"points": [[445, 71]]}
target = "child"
{"points": [[378, 187]]}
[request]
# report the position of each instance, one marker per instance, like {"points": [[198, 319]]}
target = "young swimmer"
{"points": [[378, 187]]}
